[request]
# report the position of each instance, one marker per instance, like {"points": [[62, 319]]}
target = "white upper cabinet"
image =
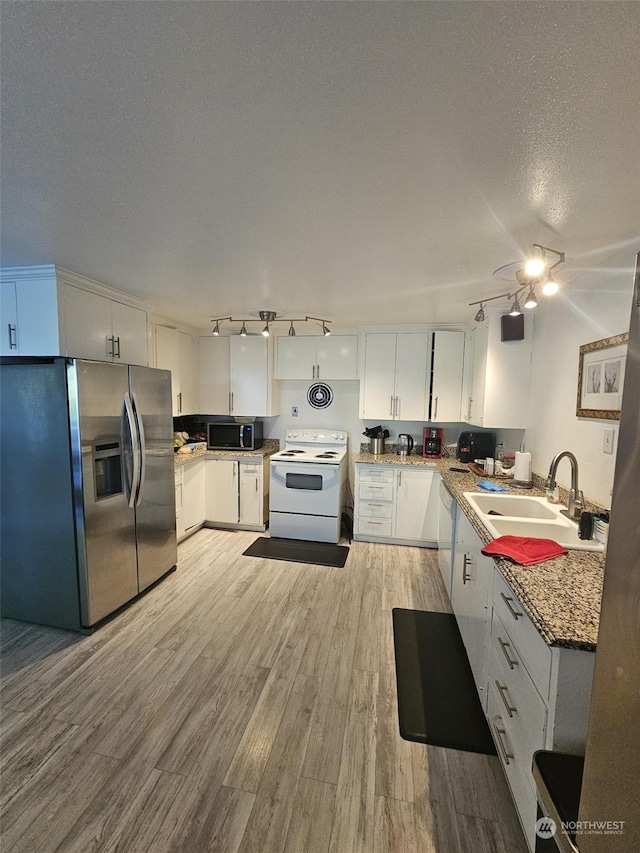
{"points": [[309, 357], [103, 329], [393, 385], [174, 352], [447, 375], [236, 376], [31, 314], [499, 376], [49, 311]]}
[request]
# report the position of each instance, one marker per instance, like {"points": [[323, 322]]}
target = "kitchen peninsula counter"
{"points": [[561, 596]]}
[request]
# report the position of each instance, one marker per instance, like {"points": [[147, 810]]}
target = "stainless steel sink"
{"points": [[526, 515]]}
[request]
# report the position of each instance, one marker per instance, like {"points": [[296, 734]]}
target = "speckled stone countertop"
{"points": [[269, 447], [562, 596]]}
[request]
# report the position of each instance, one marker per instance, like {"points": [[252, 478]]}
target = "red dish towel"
{"points": [[525, 550]]}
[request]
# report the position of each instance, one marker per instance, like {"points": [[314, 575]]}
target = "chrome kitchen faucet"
{"points": [[576, 498]]}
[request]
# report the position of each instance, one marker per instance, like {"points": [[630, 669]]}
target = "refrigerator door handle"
{"points": [[140, 450], [131, 488]]}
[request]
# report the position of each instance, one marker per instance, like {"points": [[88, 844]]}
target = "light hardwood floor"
{"points": [[242, 705]]}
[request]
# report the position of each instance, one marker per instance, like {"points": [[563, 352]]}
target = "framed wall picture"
{"points": [[601, 377]]}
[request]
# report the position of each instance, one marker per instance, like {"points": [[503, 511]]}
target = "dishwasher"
{"points": [[446, 535]]}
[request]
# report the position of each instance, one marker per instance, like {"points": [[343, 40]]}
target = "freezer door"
{"points": [[155, 509], [105, 528]]}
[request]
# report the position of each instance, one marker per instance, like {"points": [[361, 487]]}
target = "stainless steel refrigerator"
{"points": [[87, 487], [612, 757]]}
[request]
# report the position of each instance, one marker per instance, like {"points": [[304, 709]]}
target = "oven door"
{"points": [[305, 488]]}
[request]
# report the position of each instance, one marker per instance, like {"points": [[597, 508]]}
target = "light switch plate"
{"points": [[607, 442]]}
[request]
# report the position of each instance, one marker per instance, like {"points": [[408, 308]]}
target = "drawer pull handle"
{"points": [[376, 522], [505, 646], [515, 613], [499, 732], [502, 690], [465, 562], [370, 504], [372, 486]]}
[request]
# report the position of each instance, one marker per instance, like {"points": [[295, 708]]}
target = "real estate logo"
{"points": [[545, 827]]}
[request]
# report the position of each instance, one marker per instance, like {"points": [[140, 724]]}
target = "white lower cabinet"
{"points": [[193, 498], [179, 484], [397, 504], [535, 696], [254, 493], [222, 491], [539, 697], [235, 493], [190, 497], [471, 600]]}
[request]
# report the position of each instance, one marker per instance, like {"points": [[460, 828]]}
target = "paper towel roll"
{"points": [[522, 467]]}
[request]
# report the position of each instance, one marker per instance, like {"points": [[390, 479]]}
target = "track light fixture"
{"points": [[515, 308], [268, 318], [536, 270], [531, 301]]}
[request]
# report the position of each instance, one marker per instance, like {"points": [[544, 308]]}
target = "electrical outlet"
{"points": [[294, 413], [607, 443]]}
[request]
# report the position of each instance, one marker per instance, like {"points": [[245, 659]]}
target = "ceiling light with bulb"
{"points": [[536, 271]]}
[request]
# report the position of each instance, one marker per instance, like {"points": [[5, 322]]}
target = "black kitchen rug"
{"points": [[438, 703], [299, 551]]}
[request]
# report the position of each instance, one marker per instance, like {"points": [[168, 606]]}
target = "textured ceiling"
{"points": [[371, 162]]}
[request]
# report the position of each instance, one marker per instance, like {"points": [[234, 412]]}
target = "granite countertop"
{"points": [[269, 447], [562, 596]]}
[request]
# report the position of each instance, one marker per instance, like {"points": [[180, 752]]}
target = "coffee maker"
{"points": [[432, 442]]}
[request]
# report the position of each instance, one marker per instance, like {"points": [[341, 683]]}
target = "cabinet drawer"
{"points": [[377, 475], [375, 509], [524, 712], [525, 640], [250, 468], [374, 526], [516, 769], [376, 491]]}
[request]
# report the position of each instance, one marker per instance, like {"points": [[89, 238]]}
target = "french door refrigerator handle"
{"points": [[141, 450], [132, 487]]}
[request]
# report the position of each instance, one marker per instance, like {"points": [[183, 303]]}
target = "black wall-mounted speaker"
{"points": [[512, 327]]}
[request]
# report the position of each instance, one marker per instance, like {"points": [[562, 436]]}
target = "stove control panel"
{"points": [[315, 436]]}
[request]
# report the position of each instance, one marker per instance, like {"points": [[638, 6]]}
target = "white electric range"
{"points": [[307, 484]]}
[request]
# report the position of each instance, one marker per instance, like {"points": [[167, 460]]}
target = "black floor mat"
{"points": [[299, 551], [438, 702]]}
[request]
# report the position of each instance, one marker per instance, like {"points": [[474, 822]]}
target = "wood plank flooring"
{"points": [[245, 705]]}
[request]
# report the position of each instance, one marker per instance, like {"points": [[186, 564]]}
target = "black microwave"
{"points": [[228, 435]]}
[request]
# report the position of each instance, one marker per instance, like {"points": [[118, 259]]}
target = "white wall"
{"points": [[594, 305]]}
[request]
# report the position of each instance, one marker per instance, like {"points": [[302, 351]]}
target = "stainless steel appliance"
{"points": [[446, 535], [225, 435], [608, 810], [432, 442], [405, 444], [306, 485], [88, 493], [476, 445]]}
